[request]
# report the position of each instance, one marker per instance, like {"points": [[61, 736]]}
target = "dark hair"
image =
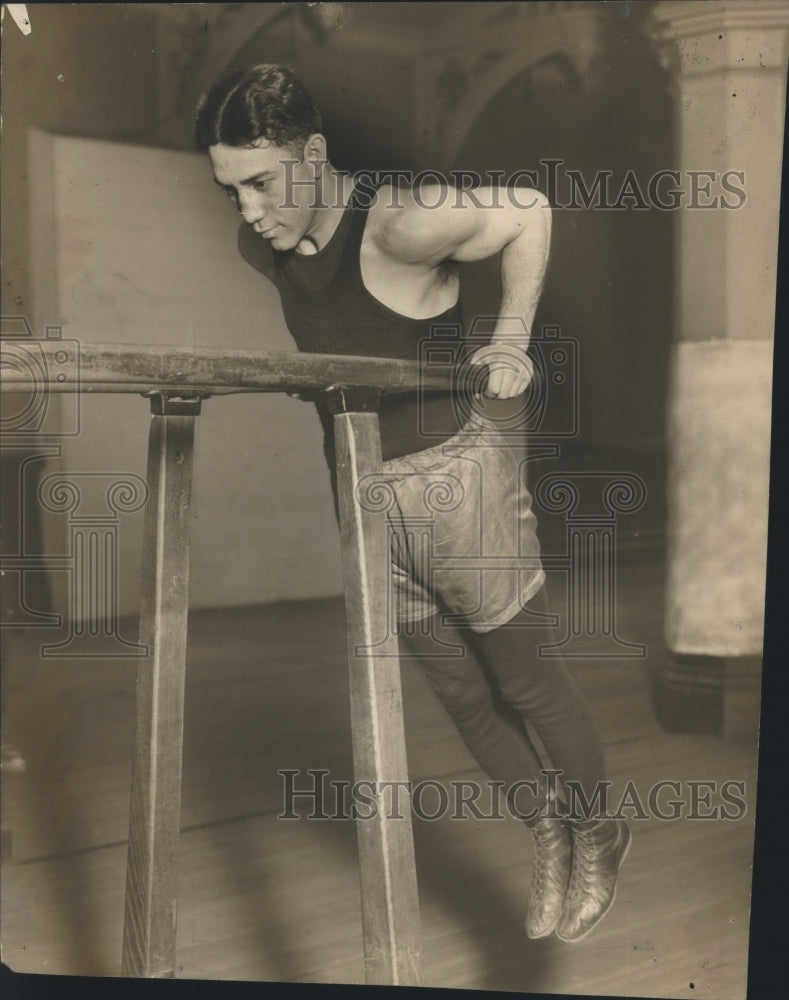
{"points": [[263, 102]]}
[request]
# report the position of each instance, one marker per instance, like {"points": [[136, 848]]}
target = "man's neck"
{"points": [[335, 193]]}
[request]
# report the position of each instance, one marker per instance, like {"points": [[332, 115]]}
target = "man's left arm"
{"points": [[524, 259], [474, 225]]}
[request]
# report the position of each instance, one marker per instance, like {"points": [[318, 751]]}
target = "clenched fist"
{"points": [[511, 369]]}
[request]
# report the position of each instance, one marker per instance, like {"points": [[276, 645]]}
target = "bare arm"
{"points": [[474, 225]]}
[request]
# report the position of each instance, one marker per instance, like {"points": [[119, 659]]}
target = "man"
{"points": [[373, 271]]}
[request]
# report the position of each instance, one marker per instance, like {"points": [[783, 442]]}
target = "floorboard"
{"points": [[269, 899]]}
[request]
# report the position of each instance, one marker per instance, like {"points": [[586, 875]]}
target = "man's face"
{"points": [[274, 194]]}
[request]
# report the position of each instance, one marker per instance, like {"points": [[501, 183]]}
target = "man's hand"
{"points": [[511, 369]]}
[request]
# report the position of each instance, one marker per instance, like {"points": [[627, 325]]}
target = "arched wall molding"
{"points": [[457, 70], [456, 84]]}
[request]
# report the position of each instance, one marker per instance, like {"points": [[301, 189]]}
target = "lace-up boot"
{"points": [[552, 854], [599, 846]]}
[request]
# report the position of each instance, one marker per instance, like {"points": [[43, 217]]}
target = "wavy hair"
{"points": [[264, 102]]}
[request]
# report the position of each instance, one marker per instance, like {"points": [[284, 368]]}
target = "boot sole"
{"points": [[586, 933], [545, 934]]}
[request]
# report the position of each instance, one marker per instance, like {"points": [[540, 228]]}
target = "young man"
{"points": [[373, 271]]}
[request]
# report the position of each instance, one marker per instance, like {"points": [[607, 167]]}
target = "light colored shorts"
{"points": [[463, 534]]}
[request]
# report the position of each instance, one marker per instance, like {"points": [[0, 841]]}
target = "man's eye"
{"points": [[261, 185], [232, 195]]}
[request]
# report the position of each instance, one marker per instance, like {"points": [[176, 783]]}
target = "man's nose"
{"points": [[250, 206]]}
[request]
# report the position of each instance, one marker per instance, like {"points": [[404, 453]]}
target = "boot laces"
{"points": [[544, 838], [590, 857]]}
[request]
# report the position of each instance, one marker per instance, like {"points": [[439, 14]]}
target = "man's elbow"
{"points": [[532, 214]]}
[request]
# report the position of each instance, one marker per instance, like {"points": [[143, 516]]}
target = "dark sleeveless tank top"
{"points": [[329, 311]]}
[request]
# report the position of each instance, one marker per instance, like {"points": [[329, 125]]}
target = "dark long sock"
{"points": [[541, 690], [500, 745]]}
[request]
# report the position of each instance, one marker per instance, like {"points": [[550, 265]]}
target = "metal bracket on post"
{"points": [[352, 399], [166, 403], [390, 904], [155, 807]]}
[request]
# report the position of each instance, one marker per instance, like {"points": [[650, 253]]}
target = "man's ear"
{"points": [[315, 147]]}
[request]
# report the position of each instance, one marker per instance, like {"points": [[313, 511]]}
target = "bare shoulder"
{"points": [[410, 226], [437, 222]]}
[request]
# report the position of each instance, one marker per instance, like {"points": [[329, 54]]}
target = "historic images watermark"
{"points": [[566, 188], [311, 794]]}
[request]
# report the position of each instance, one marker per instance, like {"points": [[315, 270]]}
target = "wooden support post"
{"points": [[155, 809], [390, 905]]}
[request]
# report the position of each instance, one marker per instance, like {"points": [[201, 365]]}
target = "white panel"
{"points": [[145, 253]]}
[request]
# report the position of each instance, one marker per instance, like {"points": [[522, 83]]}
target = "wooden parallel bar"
{"points": [[155, 808], [62, 366], [390, 905], [177, 378]]}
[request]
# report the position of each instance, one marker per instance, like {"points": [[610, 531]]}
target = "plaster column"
{"points": [[728, 63]]}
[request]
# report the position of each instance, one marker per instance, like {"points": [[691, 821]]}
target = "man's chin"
{"points": [[280, 241]]}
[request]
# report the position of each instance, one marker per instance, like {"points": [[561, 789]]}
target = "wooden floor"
{"points": [[268, 899]]}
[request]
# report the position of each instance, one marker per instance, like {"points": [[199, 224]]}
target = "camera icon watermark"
{"points": [[549, 409], [30, 368]]}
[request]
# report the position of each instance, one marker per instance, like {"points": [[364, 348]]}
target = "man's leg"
{"points": [[543, 692], [504, 751], [501, 748]]}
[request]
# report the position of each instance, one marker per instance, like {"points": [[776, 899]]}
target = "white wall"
{"points": [[135, 245]]}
